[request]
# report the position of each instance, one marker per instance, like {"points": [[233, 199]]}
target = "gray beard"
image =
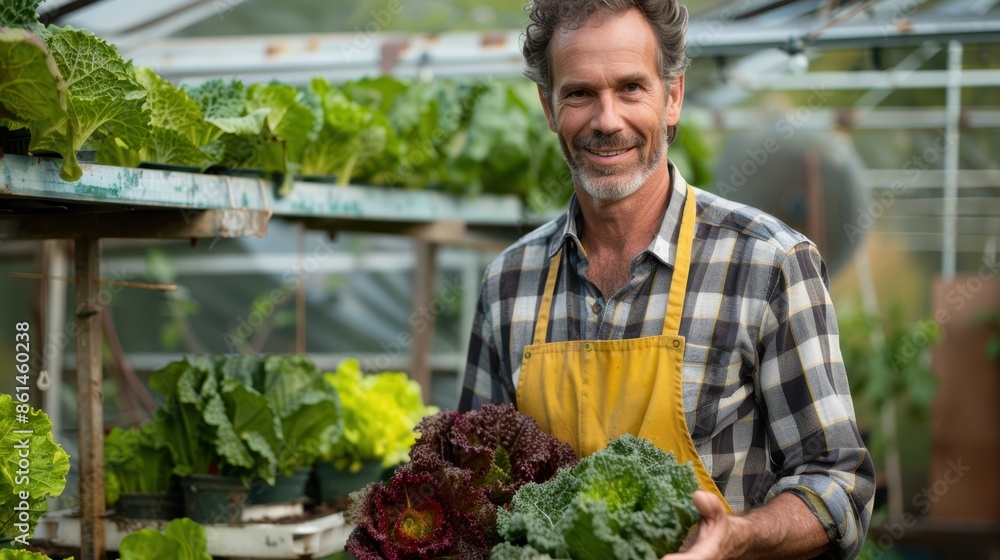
{"points": [[602, 192]]}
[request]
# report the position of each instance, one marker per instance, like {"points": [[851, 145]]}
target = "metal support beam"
{"points": [[953, 112], [90, 396], [55, 327], [870, 79]]}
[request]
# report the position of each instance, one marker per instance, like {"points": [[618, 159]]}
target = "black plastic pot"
{"points": [[286, 488], [169, 167], [338, 484], [244, 172], [212, 499], [15, 142], [138, 505]]}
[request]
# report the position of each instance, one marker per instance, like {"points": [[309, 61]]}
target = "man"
{"points": [[658, 309]]}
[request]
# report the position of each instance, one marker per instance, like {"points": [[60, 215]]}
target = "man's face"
{"points": [[610, 108]]}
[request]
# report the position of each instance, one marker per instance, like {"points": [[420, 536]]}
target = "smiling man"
{"points": [[654, 308]]}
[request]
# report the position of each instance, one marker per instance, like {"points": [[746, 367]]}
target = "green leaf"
{"points": [[31, 86], [192, 537], [247, 433], [630, 500], [225, 106], [183, 539], [149, 543], [21, 554], [19, 13], [159, 267], [138, 460], [112, 151], [170, 108], [103, 97], [48, 463], [293, 126], [380, 413]]}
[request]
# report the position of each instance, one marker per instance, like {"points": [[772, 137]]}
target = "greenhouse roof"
{"points": [[348, 40]]}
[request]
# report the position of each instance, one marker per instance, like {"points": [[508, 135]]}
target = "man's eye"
{"points": [[577, 94], [632, 88]]}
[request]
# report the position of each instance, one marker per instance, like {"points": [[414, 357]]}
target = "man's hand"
{"points": [[785, 528]]}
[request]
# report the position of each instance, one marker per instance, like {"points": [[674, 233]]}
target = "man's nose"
{"points": [[607, 116]]}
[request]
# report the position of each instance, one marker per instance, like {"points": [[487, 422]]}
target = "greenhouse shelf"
{"points": [[38, 178], [117, 202], [314, 538]]}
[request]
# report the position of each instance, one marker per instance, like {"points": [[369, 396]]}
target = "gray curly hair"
{"points": [[668, 19]]}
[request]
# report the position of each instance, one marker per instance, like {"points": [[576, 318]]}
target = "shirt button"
{"points": [[596, 308]]}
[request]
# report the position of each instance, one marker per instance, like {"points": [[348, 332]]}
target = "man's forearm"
{"points": [[783, 529]]}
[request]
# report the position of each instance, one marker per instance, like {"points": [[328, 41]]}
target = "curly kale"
{"points": [[631, 501]]}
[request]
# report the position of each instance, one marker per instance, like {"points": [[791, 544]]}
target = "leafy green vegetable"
{"points": [[307, 406], [135, 461], [501, 448], [31, 87], [103, 97], [224, 105], [183, 539], [291, 127], [380, 412], [19, 13], [628, 501], [24, 491], [422, 514], [429, 118], [21, 554], [444, 502], [213, 421], [350, 138]]}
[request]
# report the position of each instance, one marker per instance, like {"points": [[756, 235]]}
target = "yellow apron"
{"points": [[589, 392]]}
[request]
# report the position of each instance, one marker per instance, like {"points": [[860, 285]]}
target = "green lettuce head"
{"points": [[33, 467]]}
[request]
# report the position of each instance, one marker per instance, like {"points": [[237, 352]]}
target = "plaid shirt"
{"points": [[765, 392]]}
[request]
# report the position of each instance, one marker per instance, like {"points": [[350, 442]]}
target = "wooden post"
{"points": [[422, 320], [90, 396]]}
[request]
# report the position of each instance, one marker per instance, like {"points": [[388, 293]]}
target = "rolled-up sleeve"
{"points": [[812, 432]]}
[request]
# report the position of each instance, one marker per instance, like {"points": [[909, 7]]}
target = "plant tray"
{"points": [[312, 538]]}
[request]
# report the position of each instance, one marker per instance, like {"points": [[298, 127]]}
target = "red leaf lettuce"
{"points": [[443, 504]]}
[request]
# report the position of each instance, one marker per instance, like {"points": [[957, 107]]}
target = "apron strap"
{"points": [[542, 323], [682, 264], [678, 282]]}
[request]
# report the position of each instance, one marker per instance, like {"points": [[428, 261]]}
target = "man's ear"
{"points": [[675, 98], [547, 106]]}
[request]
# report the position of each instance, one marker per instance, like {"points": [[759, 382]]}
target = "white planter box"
{"points": [[314, 538]]}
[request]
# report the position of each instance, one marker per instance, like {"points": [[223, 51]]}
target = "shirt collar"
{"points": [[664, 244]]}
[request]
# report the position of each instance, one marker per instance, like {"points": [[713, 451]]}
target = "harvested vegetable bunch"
{"points": [[630, 501], [444, 502]]}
